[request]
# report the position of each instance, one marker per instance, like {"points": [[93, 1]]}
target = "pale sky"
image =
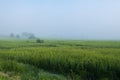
{"points": [[69, 19]]}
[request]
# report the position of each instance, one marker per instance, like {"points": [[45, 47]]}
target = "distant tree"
{"points": [[31, 36], [25, 34], [28, 35], [17, 36], [12, 35], [39, 41]]}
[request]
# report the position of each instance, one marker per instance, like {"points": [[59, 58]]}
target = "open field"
{"points": [[59, 60]]}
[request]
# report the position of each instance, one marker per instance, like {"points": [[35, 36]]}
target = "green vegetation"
{"points": [[76, 60]]}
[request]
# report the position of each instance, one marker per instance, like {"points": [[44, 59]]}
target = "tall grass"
{"points": [[85, 60]]}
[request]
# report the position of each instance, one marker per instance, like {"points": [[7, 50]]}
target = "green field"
{"points": [[59, 60]]}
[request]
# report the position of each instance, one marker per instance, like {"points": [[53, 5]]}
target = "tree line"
{"points": [[23, 35], [26, 35]]}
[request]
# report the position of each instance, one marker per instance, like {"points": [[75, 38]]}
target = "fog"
{"points": [[61, 19]]}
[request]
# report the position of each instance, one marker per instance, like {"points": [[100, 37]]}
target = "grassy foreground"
{"points": [[76, 60]]}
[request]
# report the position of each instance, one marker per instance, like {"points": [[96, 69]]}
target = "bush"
{"points": [[39, 41]]}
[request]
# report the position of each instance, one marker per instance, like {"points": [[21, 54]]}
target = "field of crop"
{"points": [[59, 60]]}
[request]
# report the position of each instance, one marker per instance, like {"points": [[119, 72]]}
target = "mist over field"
{"points": [[59, 39], [63, 19]]}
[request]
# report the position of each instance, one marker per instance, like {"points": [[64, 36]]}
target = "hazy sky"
{"points": [[75, 19]]}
